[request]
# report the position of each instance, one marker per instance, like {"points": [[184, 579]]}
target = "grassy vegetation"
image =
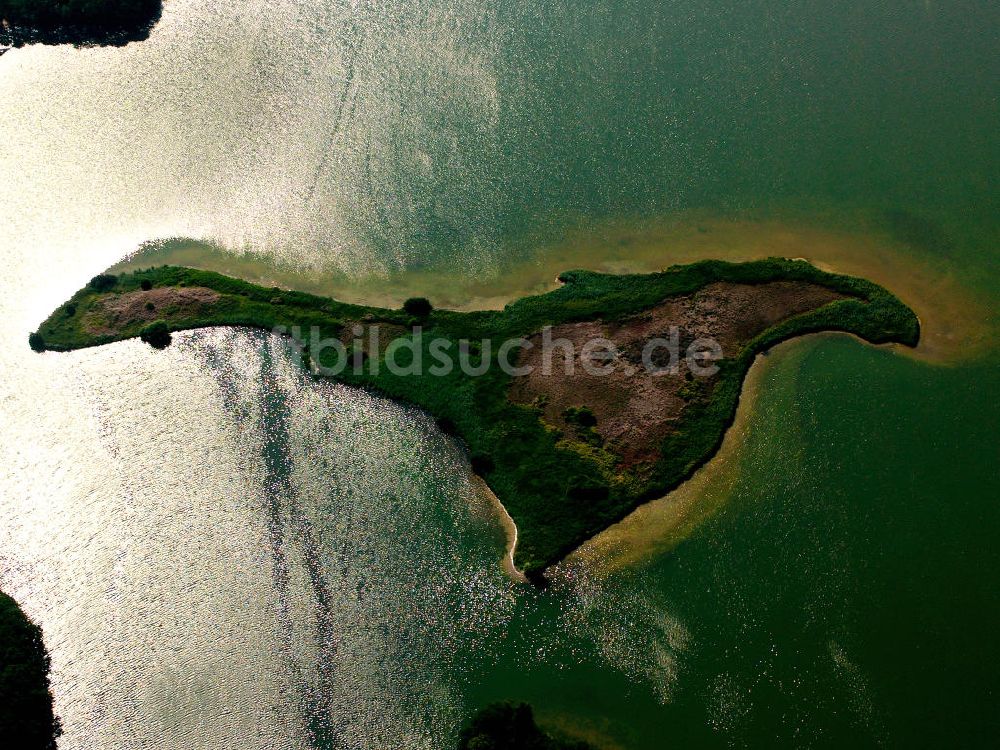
{"points": [[26, 718], [506, 726], [77, 21], [559, 489]]}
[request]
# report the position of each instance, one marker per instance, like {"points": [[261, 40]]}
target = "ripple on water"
{"points": [[255, 555]]}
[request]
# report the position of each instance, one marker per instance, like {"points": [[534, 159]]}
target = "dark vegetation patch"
{"points": [[157, 334], [80, 22], [481, 463], [418, 307], [103, 282], [563, 475], [510, 726], [27, 721]]}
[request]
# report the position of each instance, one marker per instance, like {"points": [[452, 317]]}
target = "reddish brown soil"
{"points": [[635, 408], [116, 312], [362, 331]]}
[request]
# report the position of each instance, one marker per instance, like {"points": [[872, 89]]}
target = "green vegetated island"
{"points": [[26, 717], [82, 22], [568, 454]]}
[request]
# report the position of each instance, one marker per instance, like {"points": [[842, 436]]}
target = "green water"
{"points": [[634, 108], [847, 595], [265, 556]]}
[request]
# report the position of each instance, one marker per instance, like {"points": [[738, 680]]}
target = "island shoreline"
{"points": [[566, 480]]}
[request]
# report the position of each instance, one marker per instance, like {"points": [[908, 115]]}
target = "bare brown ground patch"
{"points": [[116, 312], [636, 408], [370, 335]]}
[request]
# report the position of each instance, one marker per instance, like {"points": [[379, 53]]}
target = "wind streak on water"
{"points": [[386, 585], [287, 525], [227, 553], [355, 39]]}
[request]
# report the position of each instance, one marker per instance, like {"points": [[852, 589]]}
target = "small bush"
{"points": [[156, 334], [70, 310], [146, 285], [418, 307], [581, 416], [103, 282], [150, 306], [36, 342]]}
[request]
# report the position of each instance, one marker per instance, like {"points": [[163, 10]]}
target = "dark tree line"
{"points": [[509, 726], [77, 21], [27, 721]]}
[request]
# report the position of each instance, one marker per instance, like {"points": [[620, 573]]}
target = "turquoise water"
{"points": [[224, 555]]}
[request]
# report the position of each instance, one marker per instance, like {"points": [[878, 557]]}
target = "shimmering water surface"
{"points": [[223, 554]]}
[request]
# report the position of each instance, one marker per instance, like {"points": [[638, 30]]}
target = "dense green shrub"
{"points": [[446, 425], [27, 721], [582, 416], [146, 285], [418, 307], [103, 282], [156, 334], [481, 463], [36, 341]]}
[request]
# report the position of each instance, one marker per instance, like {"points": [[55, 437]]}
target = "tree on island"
{"points": [[103, 282], [27, 721], [509, 726], [418, 307], [156, 334]]}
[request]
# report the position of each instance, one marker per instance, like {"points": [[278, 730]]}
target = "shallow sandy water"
{"points": [[955, 319]]}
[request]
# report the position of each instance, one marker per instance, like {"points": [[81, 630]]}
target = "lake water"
{"points": [[224, 555]]}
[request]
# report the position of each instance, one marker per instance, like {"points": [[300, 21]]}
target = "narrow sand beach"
{"points": [[660, 525]]}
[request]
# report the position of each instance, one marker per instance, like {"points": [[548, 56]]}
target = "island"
{"points": [[80, 22], [575, 406], [26, 717]]}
